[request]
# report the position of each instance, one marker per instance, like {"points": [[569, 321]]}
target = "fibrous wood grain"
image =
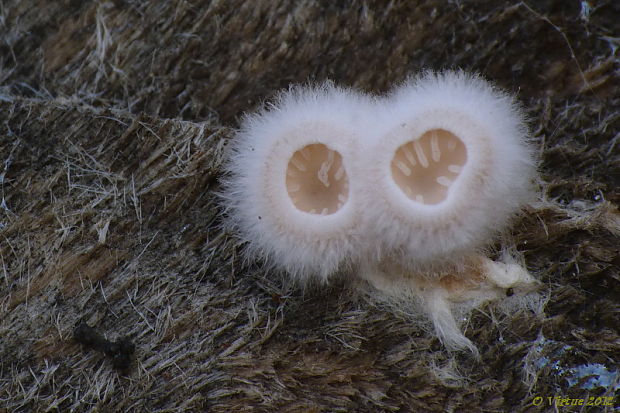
{"points": [[114, 117]]}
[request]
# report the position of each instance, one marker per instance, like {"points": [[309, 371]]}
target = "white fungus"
{"points": [[448, 166], [404, 191], [447, 169], [292, 187]]}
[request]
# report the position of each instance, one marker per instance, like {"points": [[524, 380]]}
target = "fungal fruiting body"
{"points": [[448, 171], [292, 190], [406, 191]]}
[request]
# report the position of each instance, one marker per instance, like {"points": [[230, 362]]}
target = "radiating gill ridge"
{"points": [[316, 180], [425, 168]]}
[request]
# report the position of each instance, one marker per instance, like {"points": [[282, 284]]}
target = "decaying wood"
{"points": [[114, 117]]}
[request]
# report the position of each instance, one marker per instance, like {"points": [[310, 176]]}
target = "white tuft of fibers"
{"points": [[447, 296], [448, 166], [292, 186]]}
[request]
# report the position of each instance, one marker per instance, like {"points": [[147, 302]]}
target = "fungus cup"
{"points": [[449, 167], [292, 186], [406, 191]]}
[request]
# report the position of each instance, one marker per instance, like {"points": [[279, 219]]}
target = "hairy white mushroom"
{"points": [[449, 168], [292, 186], [406, 190]]}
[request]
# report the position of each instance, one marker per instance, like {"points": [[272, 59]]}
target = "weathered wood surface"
{"points": [[113, 120]]}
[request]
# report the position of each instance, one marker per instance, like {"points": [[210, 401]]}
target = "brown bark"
{"points": [[113, 121]]}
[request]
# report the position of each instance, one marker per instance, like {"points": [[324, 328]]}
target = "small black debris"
{"points": [[120, 351]]}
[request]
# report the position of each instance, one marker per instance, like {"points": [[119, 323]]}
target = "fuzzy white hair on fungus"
{"points": [[449, 169], [449, 165], [292, 187], [405, 191]]}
